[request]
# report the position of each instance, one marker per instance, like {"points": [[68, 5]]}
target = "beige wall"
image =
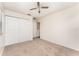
{"points": [[62, 28]]}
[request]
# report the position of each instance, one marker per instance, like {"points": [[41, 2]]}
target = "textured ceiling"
{"points": [[24, 7]]}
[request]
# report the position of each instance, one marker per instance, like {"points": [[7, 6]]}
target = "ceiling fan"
{"points": [[39, 7]]}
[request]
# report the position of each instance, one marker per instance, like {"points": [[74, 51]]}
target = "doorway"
{"points": [[38, 29]]}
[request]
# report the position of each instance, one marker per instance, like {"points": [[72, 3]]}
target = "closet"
{"points": [[17, 30]]}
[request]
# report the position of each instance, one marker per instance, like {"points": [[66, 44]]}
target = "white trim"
{"points": [[16, 17]]}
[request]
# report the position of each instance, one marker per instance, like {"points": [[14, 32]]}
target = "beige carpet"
{"points": [[38, 47]]}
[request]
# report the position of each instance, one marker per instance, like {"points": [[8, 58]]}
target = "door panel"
{"points": [[11, 30]]}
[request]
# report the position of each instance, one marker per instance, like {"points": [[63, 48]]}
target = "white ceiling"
{"points": [[24, 7]]}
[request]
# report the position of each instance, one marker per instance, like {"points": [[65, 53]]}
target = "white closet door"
{"points": [[24, 30], [11, 30], [18, 30]]}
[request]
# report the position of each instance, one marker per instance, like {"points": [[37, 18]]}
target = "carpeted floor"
{"points": [[38, 47]]}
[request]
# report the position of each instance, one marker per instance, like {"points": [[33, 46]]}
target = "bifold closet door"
{"points": [[24, 30], [17, 30]]}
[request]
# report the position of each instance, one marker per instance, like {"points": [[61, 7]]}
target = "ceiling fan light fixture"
{"points": [[45, 7]]}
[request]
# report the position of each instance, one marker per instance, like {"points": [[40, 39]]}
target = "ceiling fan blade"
{"points": [[38, 4], [29, 14], [45, 7], [33, 8]]}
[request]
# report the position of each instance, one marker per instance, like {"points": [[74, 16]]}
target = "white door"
{"points": [[11, 30], [17, 30], [24, 30]]}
